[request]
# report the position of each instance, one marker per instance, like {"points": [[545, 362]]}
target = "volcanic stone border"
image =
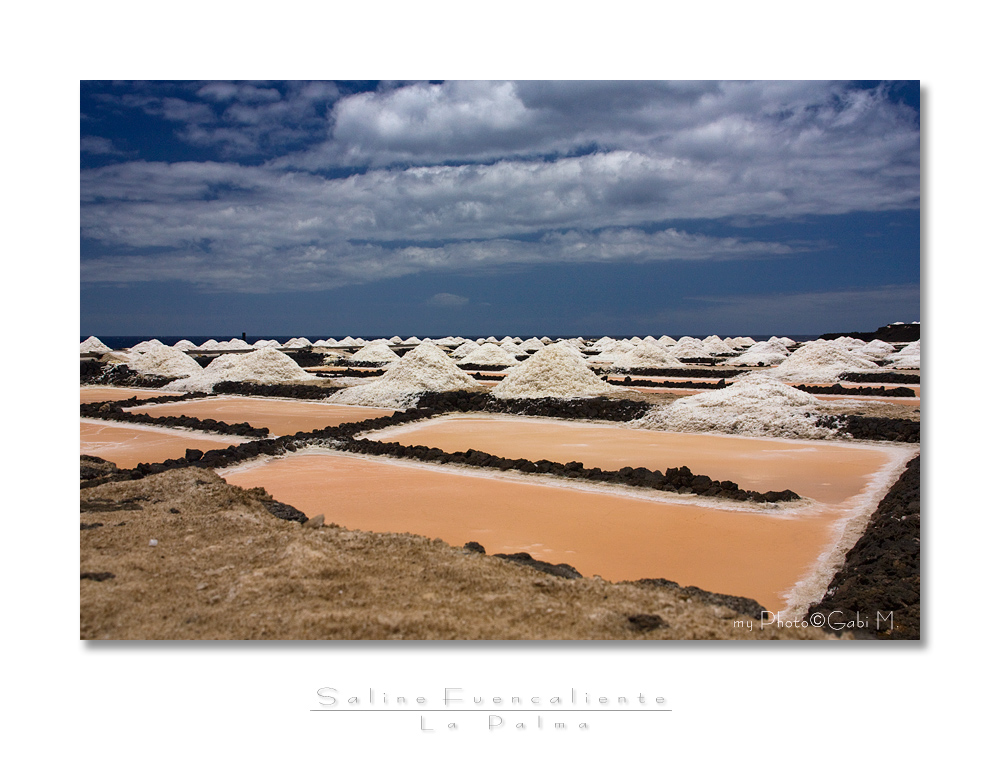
{"points": [[331, 436], [301, 392], [94, 372], [113, 410], [598, 408], [892, 377], [881, 573], [336, 372], [630, 382], [838, 389], [694, 373], [675, 480], [872, 428]]}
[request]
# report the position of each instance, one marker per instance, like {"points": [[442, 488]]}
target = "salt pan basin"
{"points": [[93, 393], [129, 445], [774, 555], [829, 472], [280, 417]]}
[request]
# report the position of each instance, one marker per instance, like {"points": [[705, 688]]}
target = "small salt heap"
{"points": [[164, 361], [907, 357], [374, 353], [820, 361], [754, 405], [94, 344], [557, 371], [421, 370], [763, 353], [144, 346], [185, 346], [489, 355], [263, 366], [647, 355]]}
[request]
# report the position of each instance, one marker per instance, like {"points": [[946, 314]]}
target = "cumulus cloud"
{"points": [[447, 300], [467, 176]]}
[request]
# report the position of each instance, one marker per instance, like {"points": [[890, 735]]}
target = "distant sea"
{"points": [[124, 342]]}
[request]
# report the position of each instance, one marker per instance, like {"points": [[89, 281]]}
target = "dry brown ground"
{"points": [[225, 568]]}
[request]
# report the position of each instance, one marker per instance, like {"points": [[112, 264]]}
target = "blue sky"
{"points": [[476, 208]]}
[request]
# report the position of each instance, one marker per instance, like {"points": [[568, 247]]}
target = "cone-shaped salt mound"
{"points": [[94, 344], [647, 355], [424, 369], [763, 353], [488, 355], [164, 361], [374, 353], [555, 371], [143, 346], [754, 405], [820, 361], [264, 366]]}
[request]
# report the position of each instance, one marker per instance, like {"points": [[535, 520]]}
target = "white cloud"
{"points": [[447, 300]]}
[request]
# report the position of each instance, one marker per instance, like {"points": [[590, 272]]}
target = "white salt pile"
{"points": [[234, 344], [185, 345], [556, 371], [875, 350], [754, 405], [715, 345], [163, 361], [907, 357], [763, 353], [532, 345], [412, 341], [488, 355], [297, 343], [464, 349], [820, 361], [648, 355], [261, 343], [666, 341], [94, 344], [603, 343], [743, 341], [142, 346], [211, 344], [374, 353], [423, 369], [613, 352], [264, 366], [690, 349]]}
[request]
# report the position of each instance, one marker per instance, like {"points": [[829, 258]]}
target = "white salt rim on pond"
{"points": [[556, 371], [264, 366], [164, 361], [489, 355], [374, 353], [754, 405], [423, 369]]}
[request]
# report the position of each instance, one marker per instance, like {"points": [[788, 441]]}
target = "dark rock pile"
{"points": [[839, 389], [872, 428], [94, 372], [630, 382], [744, 606], [303, 392], [614, 409], [892, 377], [881, 575]]}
